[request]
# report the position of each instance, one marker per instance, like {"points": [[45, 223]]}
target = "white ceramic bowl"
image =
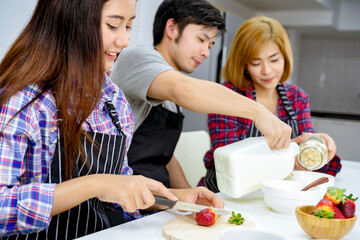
{"points": [[283, 196], [249, 234], [308, 177]]}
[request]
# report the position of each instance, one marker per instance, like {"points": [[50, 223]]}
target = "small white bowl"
{"points": [[308, 177], [249, 234], [283, 196]]}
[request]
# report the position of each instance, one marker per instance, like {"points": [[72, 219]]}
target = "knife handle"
{"points": [[164, 201]]}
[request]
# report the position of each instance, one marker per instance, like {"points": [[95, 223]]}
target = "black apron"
{"points": [[154, 142], [210, 178], [105, 154]]}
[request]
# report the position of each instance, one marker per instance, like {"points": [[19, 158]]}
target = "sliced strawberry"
{"points": [[348, 208], [335, 195]]}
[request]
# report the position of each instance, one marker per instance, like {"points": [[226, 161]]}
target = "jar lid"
{"points": [[311, 158]]}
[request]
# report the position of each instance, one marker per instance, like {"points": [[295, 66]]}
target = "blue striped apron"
{"points": [[104, 154]]}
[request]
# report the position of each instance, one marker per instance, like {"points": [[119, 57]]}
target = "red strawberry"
{"points": [[348, 208], [326, 209], [206, 217], [325, 204], [335, 195], [338, 214]]}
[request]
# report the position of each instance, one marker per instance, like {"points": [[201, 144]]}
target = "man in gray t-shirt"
{"points": [[136, 68], [184, 31]]}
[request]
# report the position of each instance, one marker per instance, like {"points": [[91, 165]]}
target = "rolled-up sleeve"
{"points": [[27, 145], [25, 206]]}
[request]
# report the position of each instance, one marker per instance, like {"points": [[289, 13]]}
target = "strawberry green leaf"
{"points": [[351, 197], [236, 218], [337, 194], [324, 214]]}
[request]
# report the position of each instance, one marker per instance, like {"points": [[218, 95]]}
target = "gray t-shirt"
{"points": [[134, 71]]}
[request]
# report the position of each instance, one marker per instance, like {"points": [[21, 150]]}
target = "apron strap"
{"points": [[292, 122], [287, 105], [114, 116], [177, 108], [210, 179]]}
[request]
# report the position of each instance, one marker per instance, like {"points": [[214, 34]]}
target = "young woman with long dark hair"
{"points": [[65, 128]]}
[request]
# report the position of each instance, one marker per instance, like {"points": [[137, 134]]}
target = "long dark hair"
{"points": [[61, 50], [185, 12]]}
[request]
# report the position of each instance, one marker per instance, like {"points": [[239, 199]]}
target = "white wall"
{"points": [[142, 27], [330, 74], [14, 14], [295, 40], [349, 16]]}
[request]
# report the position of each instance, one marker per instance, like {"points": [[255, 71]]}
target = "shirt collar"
{"points": [[108, 92], [108, 89]]}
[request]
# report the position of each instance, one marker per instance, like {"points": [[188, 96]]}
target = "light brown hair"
{"points": [[249, 38]]}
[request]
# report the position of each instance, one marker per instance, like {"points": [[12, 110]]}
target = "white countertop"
{"points": [[251, 206]]}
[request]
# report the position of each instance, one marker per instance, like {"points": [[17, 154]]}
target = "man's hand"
{"points": [[276, 132]]}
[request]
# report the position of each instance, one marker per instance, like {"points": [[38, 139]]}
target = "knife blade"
{"points": [[185, 206]]}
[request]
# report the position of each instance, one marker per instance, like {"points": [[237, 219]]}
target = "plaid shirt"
{"points": [[229, 129], [27, 146]]}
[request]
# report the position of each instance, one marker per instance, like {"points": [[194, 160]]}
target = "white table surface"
{"points": [[251, 206]]}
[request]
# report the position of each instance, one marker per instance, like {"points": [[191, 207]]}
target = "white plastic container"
{"points": [[241, 167]]}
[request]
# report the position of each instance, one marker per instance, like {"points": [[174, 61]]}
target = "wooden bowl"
{"points": [[325, 228]]}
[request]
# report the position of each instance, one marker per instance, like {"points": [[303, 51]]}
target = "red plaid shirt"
{"points": [[229, 129]]}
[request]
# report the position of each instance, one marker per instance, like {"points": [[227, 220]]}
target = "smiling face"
{"points": [[116, 21], [267, 67], [188, 51]]}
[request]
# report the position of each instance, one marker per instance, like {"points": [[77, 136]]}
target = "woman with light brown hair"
{"points": [[250, 37], [65, 127], [259, 62]]}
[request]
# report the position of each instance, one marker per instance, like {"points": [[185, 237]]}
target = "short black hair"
{"points": [[185, 12]]}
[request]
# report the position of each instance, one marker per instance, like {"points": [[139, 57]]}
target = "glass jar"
{"points": [[313, 153]]}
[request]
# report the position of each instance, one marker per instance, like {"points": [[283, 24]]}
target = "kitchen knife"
{"points": [[185, 206]]}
